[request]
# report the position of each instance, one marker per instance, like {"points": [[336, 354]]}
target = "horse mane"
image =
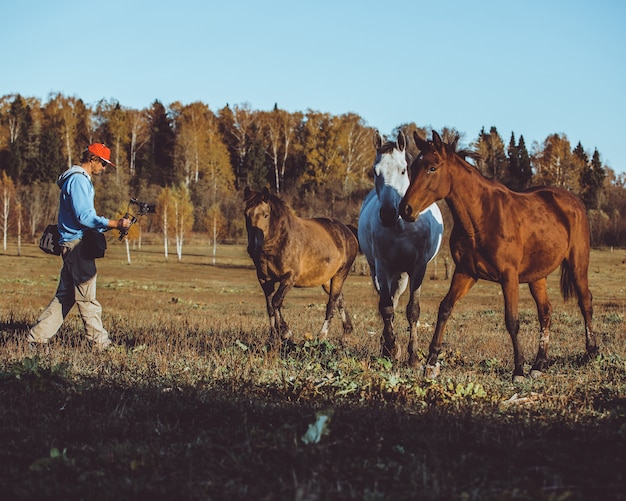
{"points": [[389, 146], [279, 206], [452, 145]]}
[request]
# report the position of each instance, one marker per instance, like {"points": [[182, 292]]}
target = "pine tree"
{"points": [[525, 173], [255, 165], [592, 180], [157, 163]]}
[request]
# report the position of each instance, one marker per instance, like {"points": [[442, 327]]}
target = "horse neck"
{"points": [[468, 211], [279, 231]]}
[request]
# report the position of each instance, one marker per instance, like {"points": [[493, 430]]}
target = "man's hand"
{"points": [[123, 223]]}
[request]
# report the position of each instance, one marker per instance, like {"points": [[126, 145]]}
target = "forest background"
{"points": [[194, 162]]}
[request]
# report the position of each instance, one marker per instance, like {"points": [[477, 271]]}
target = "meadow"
{"points": [[191, 404]]}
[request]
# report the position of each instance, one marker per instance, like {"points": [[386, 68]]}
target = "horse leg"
{"points": [[390, 293], [413, 315], [336, 300], [268, 290], [539, 291], [345, 315], [277, 303], [578, 269], [389, 346], [460, 286], [510, 290]]}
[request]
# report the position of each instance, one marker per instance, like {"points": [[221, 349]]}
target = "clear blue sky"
{"points": [[531, 67]]}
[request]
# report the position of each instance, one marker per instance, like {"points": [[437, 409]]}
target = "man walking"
{"points": [[77, 283]]}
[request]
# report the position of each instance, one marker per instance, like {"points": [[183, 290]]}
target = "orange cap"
{"points": [[100, 150]]}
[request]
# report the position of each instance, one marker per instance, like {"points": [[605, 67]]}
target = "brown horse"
{"points": [[505, 237], [290, 251]]}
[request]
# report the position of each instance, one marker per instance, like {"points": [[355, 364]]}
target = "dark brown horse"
{"points": [[289, 251], [505, 237]]}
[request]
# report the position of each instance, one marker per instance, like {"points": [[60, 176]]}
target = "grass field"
{"points": [[190, 404]]}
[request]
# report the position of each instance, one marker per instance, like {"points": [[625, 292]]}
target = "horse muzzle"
{"points": [[256, 239], [388, 216], [407, 212]]}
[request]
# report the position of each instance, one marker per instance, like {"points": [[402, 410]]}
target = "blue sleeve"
{"points": [[82, 194]]}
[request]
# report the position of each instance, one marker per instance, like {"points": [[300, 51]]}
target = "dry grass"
{"points": [[191, 405]]}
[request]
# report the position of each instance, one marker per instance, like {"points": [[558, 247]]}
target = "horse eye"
{"points": [[432, 169], [403, 172]]}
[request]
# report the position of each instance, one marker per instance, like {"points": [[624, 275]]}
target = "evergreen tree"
{"points": [[525, 173], [256, 166], [157, 163], [591, 181], [48, 162], [513, 164], [19, 124], [519, 169]]}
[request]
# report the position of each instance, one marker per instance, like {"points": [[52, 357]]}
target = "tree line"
{"points": [[194, 163]]}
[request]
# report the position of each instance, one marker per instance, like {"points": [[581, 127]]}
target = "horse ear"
{"points": [[421, 144], [265, 194], [401, 141], [437, 140], [378, 141], [247, 192]]}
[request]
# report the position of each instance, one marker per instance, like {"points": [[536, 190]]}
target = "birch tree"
{"points": [[279, 129], [7, 194], [183, 217], [165, 202]]}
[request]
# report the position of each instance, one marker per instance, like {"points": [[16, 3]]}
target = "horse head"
{"points": [[433, 172], [430, 177], [257, 212], [391, 179]]}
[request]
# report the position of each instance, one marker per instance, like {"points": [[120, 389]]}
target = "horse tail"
{"points": [[355, 232], [567, 282]]}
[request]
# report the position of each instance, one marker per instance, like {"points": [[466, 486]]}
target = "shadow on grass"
{"points": [[94, 438]]}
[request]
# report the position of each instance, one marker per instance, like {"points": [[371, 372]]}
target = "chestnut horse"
{"points": [[289, 251], [505, 237]]}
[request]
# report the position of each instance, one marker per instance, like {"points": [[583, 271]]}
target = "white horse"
{"points": [[397, 251]]}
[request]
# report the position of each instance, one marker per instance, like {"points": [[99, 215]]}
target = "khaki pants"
{"points": [[77, 285]]}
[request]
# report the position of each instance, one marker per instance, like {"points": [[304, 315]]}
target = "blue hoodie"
{"points": [[76, 209]]}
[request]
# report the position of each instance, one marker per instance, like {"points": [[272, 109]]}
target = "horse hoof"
{"points": [[535, 374], [518, 379], [432, 371]]}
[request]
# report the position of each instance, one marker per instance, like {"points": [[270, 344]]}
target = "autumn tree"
{"points": [[192, 139], [182, 210], [238, 127], [7, 195], [41, 204], [166, 215], [279, 128], [321, 152], [65, 114], [554, 163], [493, 160], [356, 148], [139, 137]]}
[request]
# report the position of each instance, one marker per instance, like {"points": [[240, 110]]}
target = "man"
{"points": [[77, 283]]}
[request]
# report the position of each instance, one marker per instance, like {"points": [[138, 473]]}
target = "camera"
{"points": [[144, 208]]}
